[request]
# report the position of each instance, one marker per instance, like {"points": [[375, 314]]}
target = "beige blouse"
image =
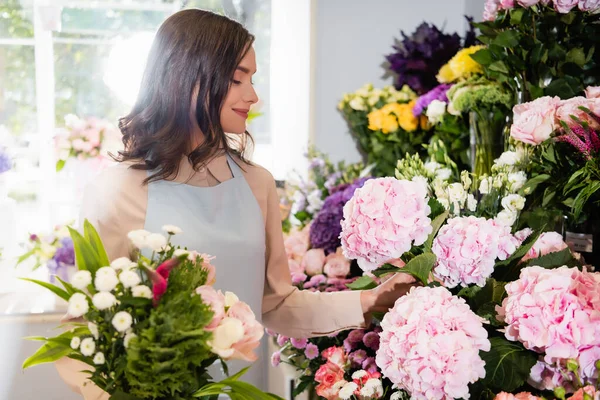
{"points": [[115, 203]]}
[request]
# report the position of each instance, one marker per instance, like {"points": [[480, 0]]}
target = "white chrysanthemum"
{"points": [[78, 305], [93, 330], [99, 358], [122, 321], [230, 299], [129, 278], [373, 387], [348, 390], [88, 347], [106, 279], [513, 202], [81, 279], [127, 339], [141, 291], [156, 242], [172, 229], [138, 237], [104, 300], [180, 252], [75, 342], [122, 263], [359, 374]]}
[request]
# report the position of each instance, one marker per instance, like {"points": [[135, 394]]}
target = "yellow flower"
{"points": [[382, 120], [375, 120], [389, 124], [460, 66], [406, 119], [424, 123]]}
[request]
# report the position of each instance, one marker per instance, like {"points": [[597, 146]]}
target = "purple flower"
{"points": [[5, 161], [311, 352], [298, 278], [371, 340], [437, 93], [369, 365], [282, 340], [315, 281], [299, 343], [333, 178], [356, 336], [33, 237], [349, 345], [316, 163], [276, 359], [65, 253], [270, 332], [326, 228], [357, 358]]}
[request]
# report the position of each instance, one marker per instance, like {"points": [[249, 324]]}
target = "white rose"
{"points": [[75, 342], [229, 332], [513, 202], [93, 330], [106, 279], [172, 229], [484, 186], [129, 278], [230, 299], [456, 193], [88, 346], [432, 167], [471, 203], [156, 242], [127, 339], [517, 180], [443, 174], [141, 291], [507, 158], [138, 238], [357, 103], [78, 305], [104, 300], [81, 279], [506, 218], [122, 263], [435, 111], [348, 390], [122, 321], [99, 358]]}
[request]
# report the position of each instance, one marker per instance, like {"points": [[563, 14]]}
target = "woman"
{"points": [[179, 168]]}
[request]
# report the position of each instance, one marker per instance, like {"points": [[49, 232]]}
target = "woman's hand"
{"points": [[383, 297]]}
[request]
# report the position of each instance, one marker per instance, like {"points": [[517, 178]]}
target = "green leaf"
{"points": [[565, 87], [49, 352], [509, 269], [533, 183], [385, 269], [91, 235], [516, 15], [555, 260], [362, 283], [568, 18], [25, 256], [509, 39], [119, 395], [507, 365], [68, 287], [499, 66], [577, 56], [86, 257], [488, 312], [469, 291], [302, 386], [60, 164], [420, 267], [436, 224], [54, 289], [483, 57], [493, 292], [537, 53]]}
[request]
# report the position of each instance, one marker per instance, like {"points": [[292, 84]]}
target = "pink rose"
{"points": [[571, 107], [296, 245], [534, 122], [253, 332], [328, 375], [564, 6], [336, 265], [216, 301], [490, 10], [335, 355], [527, 3], [593, 92], [507, 4], [313, 261], [589, 5]]}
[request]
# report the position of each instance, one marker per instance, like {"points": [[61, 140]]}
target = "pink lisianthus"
{"points": [[467, 248], [335, 355], [329, 376], [383, 220], [430, 344], [216, 301], [336, 265], [313, 262], [535, 121]]}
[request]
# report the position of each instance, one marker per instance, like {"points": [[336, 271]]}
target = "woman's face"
{"points": [[240, 97]]}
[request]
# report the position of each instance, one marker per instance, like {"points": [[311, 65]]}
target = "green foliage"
{"points": [[507, 365]]}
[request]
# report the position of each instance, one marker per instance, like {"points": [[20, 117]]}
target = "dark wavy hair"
{"points": [[193, 50]]}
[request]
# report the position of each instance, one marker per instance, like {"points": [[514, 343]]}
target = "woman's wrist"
{"points": [[367, 301]]}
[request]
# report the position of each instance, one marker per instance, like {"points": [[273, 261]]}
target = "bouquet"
{"points": [[87, 138], [153, 326]]}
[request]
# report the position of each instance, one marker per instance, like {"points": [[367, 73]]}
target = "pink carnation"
{"points": [[383, 220], [467, 249], [548, 242], [535, 121], [430, 344], [555, 313]]}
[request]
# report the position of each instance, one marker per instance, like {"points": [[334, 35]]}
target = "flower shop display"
{"points": [[157, 310]]}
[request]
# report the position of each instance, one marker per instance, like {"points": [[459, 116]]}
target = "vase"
{"points": [[486, 129]]}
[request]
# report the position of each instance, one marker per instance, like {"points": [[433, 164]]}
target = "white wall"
{"points": [[352, 39]]}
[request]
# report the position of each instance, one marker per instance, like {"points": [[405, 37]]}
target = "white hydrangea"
{"points": [[122, 321], [81, 279], [99, 358], [127, 339], [513, 202], [88, 347], [141, 291], [172, 229], [93, 330], [104, 300], [106, 279], [348, 390], [78, 305], [122, 263], [129, 278], [75, 342]]}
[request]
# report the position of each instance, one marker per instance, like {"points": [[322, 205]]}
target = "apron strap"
{"points": [[235, 169]]}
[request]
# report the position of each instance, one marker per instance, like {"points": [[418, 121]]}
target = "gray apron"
{"points": [[224, 221]]}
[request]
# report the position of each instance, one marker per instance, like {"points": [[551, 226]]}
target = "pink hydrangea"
{"points": [[430, 344], [548, 242], [556, 313], [467, 249], [383, 220]]}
